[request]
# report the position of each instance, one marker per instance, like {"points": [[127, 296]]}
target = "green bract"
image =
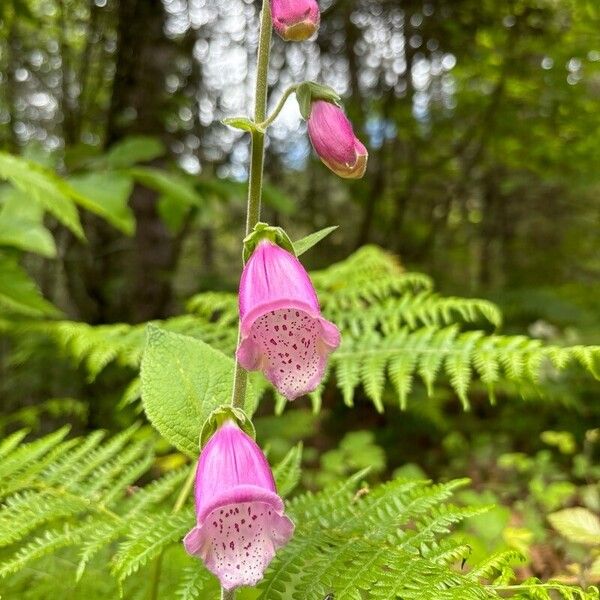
{"points": [[309, 91]]}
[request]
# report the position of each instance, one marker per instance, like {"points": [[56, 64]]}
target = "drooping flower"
{"points": [[239, 516], [295, 20], [282, 331], [334, 141]]}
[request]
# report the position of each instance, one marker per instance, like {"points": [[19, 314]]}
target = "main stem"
{"points": [[255, 181], [257, 159]]}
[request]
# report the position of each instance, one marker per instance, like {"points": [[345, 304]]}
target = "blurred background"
{"points": [[482, 119]]}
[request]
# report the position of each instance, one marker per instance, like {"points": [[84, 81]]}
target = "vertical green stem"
{"points": [[257, 158]]}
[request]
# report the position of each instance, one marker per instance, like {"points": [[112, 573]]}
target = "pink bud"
{"points": [[295, 20], [334, 141], [239, 516], [283, 332]]}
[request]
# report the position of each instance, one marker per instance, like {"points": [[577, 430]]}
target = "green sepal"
{"points": [[242, 123], [309, 91], [264, 231], [220, 416]]}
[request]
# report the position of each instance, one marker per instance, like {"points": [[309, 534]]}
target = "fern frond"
{"points": [[394, 328], [47, 543], [9, 443], [147, 538], [389, 542], [27, 511], [447, 353], [492, 565], [197, 583], [412, 310], [157, 491], [15, 464], [75, 492], [287, 472], [534, 589]]}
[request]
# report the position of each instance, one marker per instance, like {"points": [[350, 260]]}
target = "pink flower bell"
{"points": [[240, 521], [334, 141], [295, 20], [282, 331]]}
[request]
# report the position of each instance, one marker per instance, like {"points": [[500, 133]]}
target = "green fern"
{"points": [[196, 583], [431, 353], [59, 493], [75, 496], [395, 329], [146, 539]]}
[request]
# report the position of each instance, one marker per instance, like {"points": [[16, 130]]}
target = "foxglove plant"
{"points": [[239, 516], [282, 331]]}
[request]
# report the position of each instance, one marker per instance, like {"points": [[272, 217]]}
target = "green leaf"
{"points": [[183, 381], [170, 184], [106, 194], [43, 186], [133, 150], [18, 293], [243, 123], [21, 225], [578, 525], [26, 235], [306, 243]]}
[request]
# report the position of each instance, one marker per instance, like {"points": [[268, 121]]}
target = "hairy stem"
{"points": [[278, 108], [257, 158]]}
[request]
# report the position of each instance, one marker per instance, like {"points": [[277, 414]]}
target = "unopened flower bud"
{"points": [[334, 141], [295, 20]]}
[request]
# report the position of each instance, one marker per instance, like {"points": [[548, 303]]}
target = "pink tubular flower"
{"points": [[283, 332], [334, 141], [295, 20], [240, 520]]}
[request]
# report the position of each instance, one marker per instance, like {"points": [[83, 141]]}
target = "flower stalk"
{"points": [[278, 108], [257, 158]]}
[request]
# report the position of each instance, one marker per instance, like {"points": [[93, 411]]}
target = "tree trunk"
{"points": [[144, 56]]}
